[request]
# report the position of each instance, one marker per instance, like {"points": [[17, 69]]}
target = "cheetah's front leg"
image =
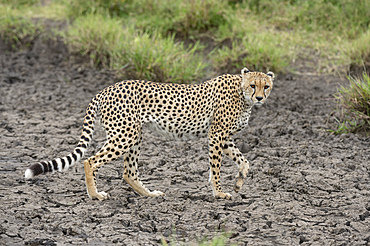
{"points": [[215, 158], [234, 154]]}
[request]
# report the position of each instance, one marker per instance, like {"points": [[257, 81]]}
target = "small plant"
{"points": [[354, 104], [219, 240]]}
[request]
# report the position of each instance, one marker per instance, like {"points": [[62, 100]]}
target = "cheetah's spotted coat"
{"points": [[217, 108]]}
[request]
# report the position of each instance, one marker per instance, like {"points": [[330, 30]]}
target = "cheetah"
{"points": [[216, 109]]}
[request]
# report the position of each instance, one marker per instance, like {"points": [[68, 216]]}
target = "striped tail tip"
{"points": [[34, 170], [28, 174]]}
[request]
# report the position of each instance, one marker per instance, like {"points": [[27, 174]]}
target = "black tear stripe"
{"points": [[254, 91]]}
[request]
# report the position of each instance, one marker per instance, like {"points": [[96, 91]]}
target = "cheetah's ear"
{"points": [[271, 74], [244, 79], [245, 70]]}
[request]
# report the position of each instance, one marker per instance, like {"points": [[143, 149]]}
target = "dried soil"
{"points": [[306, 186]]}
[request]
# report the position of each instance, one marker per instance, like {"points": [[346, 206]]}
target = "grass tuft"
{"points": [[184, 18], [343, 17], [17, 31], [260, 48], [109, 43], [354, 102], [360, 51], [257, 52]]}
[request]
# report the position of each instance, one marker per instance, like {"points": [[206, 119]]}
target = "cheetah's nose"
{"points": [[259, 98]]}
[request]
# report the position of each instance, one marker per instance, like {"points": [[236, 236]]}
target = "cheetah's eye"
{"points": [[253, 86], [266, 87]]}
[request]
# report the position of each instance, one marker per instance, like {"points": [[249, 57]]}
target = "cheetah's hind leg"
{"points": [[131, 174], [109, 152]]}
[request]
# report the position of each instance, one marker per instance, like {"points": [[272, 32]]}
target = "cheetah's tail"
{"points": [[62, 164]]}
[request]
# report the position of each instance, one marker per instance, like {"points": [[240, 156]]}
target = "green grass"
{"points": [[359, 51], [16, 30], [183, 18], [354, 105], [260, 48], [139, 54], [19, 3], [262, 34], [332, 33], [346, 18]]}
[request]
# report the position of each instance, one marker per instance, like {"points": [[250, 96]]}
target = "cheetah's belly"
{"points": [[180, 131]]}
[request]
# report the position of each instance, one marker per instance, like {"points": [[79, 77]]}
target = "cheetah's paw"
{"points": [[102, 196], [156, 193], [238, 184], [222, 195]]}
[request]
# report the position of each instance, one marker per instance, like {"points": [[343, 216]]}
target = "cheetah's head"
{"points": [[256, 86]]}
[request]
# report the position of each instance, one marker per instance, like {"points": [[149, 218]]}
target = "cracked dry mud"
{"points": [[305, 185]]}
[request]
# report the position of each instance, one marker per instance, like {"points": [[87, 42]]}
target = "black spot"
{"points": [[78, 151]]}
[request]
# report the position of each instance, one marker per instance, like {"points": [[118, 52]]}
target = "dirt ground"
{"points": [[305, 186]]}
